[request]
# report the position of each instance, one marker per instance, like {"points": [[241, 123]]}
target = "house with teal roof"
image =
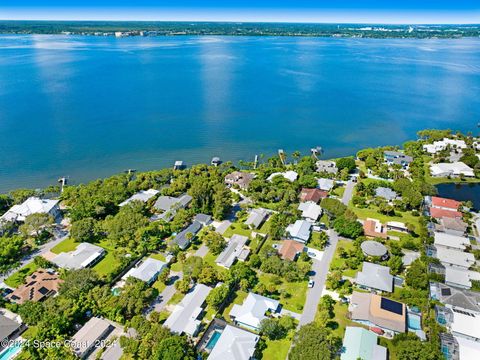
{"points": [[359, 343]]}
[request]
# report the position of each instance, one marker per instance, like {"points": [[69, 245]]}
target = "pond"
{"points": [[461, 192]]}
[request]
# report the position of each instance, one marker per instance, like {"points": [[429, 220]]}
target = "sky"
{"points": [[319, 11]]}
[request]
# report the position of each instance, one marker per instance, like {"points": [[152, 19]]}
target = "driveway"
{"points": [[320, 270], [161, 301], [202, 251], [348, 193], [59, 236]]}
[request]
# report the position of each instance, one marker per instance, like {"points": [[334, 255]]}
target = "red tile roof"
{"points": [[369, 229], [314, 195], [439, 213], [290, 249], [445, 203]]}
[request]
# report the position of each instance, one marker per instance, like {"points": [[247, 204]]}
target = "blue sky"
{"points": [[362, 11]]}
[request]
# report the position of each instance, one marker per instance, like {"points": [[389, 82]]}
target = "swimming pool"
{"points": [[414, 322], [213, 340], [11, 351]]}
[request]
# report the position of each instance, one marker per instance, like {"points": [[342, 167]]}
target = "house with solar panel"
{"points": [[381, 315]]}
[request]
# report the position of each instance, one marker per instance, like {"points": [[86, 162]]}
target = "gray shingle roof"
{"points": [[375, 276], [233, 250], [7, 327], [181, 238]]}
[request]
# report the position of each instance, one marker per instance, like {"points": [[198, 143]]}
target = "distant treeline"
{"points": [[135, 28]]}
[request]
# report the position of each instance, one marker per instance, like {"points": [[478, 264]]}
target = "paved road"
{"points": [[348, 193], [42, 249], [320, 269], [161, 301]]}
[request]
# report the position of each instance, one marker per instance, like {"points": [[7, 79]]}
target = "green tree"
{"points": [[217, 296], [346, 163], [35, 223], [313, 342], [348, 227], [84, 230], [215, 242], [416, 276]]}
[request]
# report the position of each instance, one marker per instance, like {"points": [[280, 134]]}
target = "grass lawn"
{"points": [[30, 332], [210, 260], [107, 265], [159, 285], [236, 228], [338, 191], [176, 298], [177, 266], [315, 236], [18, 277], [401, 216], [338, 262], [160, 257], [65, 246], [265, 227], [240, 296], [278, 349], [296, 292]]}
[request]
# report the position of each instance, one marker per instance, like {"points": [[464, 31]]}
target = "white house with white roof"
{"points": [[325, 184], [441, 145], [33, 205], [147, 270], [454, 258], [454, 169], [300, 230], [310, 210], [253, 310], [85, 255], [234, 344], [460, 278], [450, 241], [289, 175], [142, 195]]}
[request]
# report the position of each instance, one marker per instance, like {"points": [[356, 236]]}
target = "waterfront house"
{"points": [[87, 339], [455, 169], [310, 211], [326, 166], [37, 287], [438, 146], [377, 311], [325, 184], [185, 318], [253, 310], [33, 205], [234, 344], [236, 249], [169, 205], [240, 179], [187, 235], [375, 277], [373, 228], [85, 255], [290, 249], [314, 195], [300, 230], [359, 343], [256, 218], [397, 158], [146, 271], [142, 195], [443, 208]]}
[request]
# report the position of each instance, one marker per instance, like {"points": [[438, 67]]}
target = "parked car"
{"points": [[311, 283], [275, 246], [311, 254]]}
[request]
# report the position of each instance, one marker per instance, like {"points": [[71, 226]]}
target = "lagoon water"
{"points": [[87, 107]]}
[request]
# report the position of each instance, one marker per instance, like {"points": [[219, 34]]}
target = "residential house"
{"points": [[326, 166], [310, 211], [290, 249], [386, 193], [438, 146], [465, 325], [89, 336], [147, 270], [168, 205], [373, 228], [236, 249], [300, 230], [449, 241], [33, 205], [375, 277], [38, 286], [377, 311], [9, 330], [142, 195], [454, 297], [443, 207], [460, 278], [185, 318], [325, 184], [453, 226], [289, 175], [85, 255], [234, 344], [240, 179], [455, 258], [252, 311], [314, 195], [185, 237], [397, 158], [203, 219], [455, 169], [397, 226], [256, 218], [359, 343]]}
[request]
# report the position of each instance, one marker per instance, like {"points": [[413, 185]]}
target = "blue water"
{"points": [[87, 107], [461, 192], [213, 340], [414, 322], [10, 352]]}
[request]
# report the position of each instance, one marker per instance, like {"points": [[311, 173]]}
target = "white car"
{"points": [[311, 283]]}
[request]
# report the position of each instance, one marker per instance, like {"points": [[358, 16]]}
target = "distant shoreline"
{"points": [[198, 28]]}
